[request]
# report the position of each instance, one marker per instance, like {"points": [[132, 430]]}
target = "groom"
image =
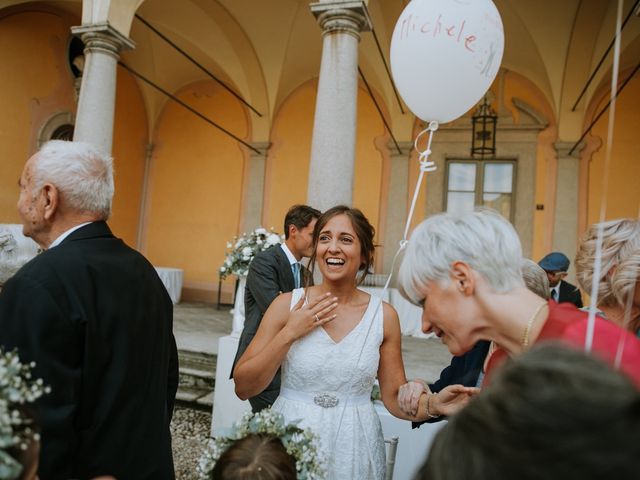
{"points": [[272, 272]]}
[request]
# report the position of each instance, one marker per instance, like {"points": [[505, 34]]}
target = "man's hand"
{"points": [[409, 396]]}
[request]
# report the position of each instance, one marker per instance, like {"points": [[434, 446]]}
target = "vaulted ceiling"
{"points": [[266, 49]]}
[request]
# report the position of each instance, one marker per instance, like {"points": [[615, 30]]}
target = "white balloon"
{"points": [[445, 54]]}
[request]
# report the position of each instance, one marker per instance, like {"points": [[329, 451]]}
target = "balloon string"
{"points": [[597, 275], [425, 166]]}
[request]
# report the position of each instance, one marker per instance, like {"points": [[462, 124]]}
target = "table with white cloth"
{"points": [[172, 280], [410, 315]]}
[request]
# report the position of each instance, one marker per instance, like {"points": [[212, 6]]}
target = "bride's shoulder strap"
{"points": [[296, 295]]}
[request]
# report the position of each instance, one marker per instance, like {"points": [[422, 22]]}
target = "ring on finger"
{"points": [[317, 318]]}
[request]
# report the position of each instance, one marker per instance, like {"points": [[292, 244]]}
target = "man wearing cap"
{"points": [[556, 265]]}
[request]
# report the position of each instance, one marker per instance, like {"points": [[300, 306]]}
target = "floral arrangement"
{"points": [[9, 263], [15, 251], [241, 251], [302, 445], [16, 388]]}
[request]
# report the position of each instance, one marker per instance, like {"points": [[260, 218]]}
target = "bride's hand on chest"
{"points": [[303, 318]]}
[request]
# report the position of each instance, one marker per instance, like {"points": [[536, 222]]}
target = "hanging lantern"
{"points": [[484, 122]]}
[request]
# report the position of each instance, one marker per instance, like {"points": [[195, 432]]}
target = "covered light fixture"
{"points": [[484, 122]]}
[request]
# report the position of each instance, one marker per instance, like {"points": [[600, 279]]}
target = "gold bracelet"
{"points": [[429, 415]]}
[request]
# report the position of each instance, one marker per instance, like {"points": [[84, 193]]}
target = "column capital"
{"points": [[405, 149], [563, 149], [263, 147], [349, 17], [102, 37]]}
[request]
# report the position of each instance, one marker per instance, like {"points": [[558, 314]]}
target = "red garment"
{"points": [[567, 324]]}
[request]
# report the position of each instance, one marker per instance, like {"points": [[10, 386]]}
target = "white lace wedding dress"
{"points": [[327, 386]]}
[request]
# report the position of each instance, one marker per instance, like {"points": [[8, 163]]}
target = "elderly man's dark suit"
{"points": [[94, 316], [269, 275]]}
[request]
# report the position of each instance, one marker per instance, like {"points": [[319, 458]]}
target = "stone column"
{"points": [[254, 187], [334, 128], [565, 223], [96, 106], [397, 198]]}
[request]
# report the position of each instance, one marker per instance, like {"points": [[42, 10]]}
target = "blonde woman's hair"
{"points": [[620, 238], [624, 281], [535, 278]]}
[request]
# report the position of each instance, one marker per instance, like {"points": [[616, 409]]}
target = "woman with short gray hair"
{"points": [[464, 270]]}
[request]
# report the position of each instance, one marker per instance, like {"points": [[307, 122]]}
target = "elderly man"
{"points": [[97, 321]]}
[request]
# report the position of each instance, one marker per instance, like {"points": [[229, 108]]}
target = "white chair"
{"points": [[391, 457]]}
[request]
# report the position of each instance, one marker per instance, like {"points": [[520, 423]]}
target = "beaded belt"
{"points": [[325, 399]]}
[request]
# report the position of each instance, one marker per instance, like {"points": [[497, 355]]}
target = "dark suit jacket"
{"points": [[569, 293], [269, 275], [463, 370], [94, 316]]}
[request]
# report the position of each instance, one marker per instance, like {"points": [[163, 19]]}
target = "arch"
{"points": [[526, 130], [623, 197], [52, 124], [194, 195], [211, 35]]}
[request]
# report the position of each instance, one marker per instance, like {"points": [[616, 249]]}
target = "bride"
{"points": [[331, 341]]}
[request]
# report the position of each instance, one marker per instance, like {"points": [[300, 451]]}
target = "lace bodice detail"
{"points": [[317, 364]]}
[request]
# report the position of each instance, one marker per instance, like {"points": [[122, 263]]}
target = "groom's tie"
{"points": [[295, 268]]}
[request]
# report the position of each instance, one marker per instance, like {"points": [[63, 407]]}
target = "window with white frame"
{"points": [[473, 183]]}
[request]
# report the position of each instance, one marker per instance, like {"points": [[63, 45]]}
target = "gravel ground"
{"points": [[189, 430]]}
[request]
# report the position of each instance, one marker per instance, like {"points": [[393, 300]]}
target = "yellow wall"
{"points": [[287, 168], [623, 199], [129, 150], [195, 184], [36, 84], [367, 184]]}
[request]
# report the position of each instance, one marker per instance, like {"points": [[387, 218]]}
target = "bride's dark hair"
{"points": [[364, 231]]}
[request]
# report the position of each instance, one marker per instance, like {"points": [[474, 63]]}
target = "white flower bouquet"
{"points": [[16, 431], [242, 249], [302, 445]]}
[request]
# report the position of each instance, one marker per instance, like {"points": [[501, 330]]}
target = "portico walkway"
{"points": [[198, 326]]}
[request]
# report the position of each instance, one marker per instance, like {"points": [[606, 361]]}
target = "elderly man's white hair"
{"points": [[482, 239], [82, 174]]}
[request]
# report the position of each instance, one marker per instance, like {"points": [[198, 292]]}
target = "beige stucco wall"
{"points": [[195, 185], [623, 198], [130, 138], [38, 84]]}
